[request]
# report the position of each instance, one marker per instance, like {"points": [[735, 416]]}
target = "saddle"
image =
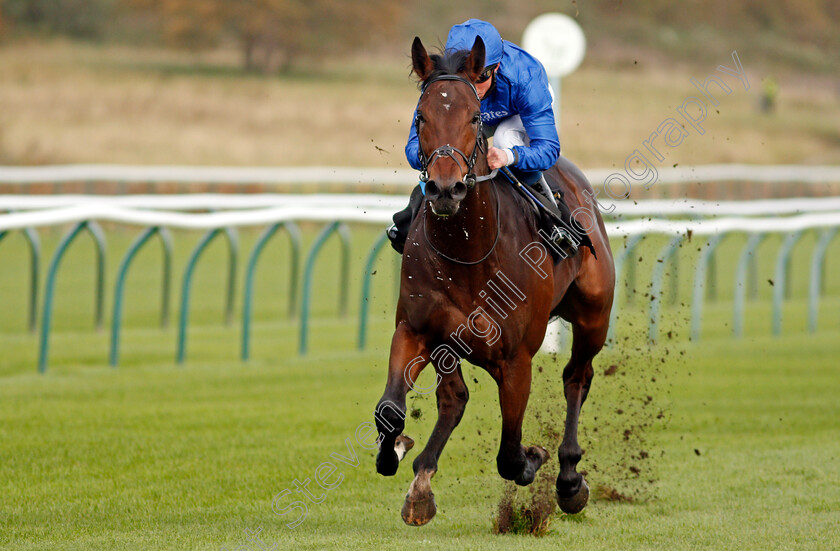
{"points": [[567, 219], [554, 216]]}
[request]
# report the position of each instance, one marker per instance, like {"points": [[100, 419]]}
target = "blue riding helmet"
{"points": [[462, 37]]}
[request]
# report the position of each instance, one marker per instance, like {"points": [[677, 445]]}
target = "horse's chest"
{"points": [[475, 324]]}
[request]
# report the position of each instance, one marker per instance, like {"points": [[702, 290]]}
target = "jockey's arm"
{"points": [[412, 148], [535, 108]]}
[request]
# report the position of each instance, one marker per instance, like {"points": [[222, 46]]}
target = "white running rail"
{"points": [[351, 176], [381, 216], [217, 201]]}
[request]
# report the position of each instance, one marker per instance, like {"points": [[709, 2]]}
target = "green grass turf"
{"points": [[153, 456]]}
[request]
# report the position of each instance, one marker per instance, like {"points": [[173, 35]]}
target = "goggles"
{"points": [[486, 74]]}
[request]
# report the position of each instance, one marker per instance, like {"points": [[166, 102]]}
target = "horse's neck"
{"points": [[480, 210], [481, 203]]}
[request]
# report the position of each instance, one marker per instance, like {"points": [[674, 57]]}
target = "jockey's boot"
{"points": [[563, 240], [398, 232], [561, 235]]}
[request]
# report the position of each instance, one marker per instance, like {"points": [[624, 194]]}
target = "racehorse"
{"points": [[478, 283]]}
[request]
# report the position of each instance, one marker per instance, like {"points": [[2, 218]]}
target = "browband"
{"points": [[452, 77]]}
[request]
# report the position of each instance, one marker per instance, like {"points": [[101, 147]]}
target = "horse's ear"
{"points": [[421, 62], [474, 65]]}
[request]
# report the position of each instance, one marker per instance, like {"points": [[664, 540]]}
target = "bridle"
{"points": [[469, 178]]}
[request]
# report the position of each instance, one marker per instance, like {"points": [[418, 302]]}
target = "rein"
{"points": [[461, 262], [470, 179]]}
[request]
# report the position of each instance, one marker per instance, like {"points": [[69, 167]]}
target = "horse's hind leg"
{"points": [[452, 396], [572, 490], [408, 358], [515, 462]]}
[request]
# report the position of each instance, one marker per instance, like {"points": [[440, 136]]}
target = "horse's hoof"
{"points": [[403, 445], [388, 461], [419, 507], [419, 512], [576, 503], [535, 457], [539, 453]]}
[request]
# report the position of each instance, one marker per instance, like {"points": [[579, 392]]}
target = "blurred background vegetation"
{"points": [[275, 35], [284, 82]]}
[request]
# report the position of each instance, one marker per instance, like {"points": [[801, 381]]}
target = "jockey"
{"points": [[516, 108]]}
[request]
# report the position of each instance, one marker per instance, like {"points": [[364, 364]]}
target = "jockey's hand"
{"points": [[497, 158]]}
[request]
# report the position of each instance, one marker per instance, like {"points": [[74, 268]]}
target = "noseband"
{"points": [[447, 150]]}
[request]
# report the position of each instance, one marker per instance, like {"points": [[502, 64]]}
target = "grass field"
{"points": [[741, 438]]}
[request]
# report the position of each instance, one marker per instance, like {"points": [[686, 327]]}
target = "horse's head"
{"points": [[448, 123]]}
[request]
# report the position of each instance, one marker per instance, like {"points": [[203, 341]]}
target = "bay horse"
{"points": [[478, 284]]}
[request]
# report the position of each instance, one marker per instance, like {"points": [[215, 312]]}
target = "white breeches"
{"points": [[511, 132]]}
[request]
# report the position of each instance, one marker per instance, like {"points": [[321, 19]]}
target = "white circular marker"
{"points": [[557, 41]]}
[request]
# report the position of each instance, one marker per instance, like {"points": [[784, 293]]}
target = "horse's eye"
{"points": [[420, 118], [476, 118]]}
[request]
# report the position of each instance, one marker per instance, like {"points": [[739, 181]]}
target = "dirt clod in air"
{"points": [[608, 493], [528, 511]]}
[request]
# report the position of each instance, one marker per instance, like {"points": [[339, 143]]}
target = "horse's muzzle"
{"points": [[445, 199]]}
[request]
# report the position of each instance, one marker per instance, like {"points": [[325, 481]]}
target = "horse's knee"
{"points": [[576, 374], [462, 396], [452, 400], [459, 404], [389, 418]]}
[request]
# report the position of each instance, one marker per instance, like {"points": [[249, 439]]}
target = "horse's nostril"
{"points": [[459, 191], [432, 189]]}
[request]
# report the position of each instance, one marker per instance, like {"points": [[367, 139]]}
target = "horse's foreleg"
{"points": [[572, 489], [408, 358], [514, 461], [452, 396]]}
